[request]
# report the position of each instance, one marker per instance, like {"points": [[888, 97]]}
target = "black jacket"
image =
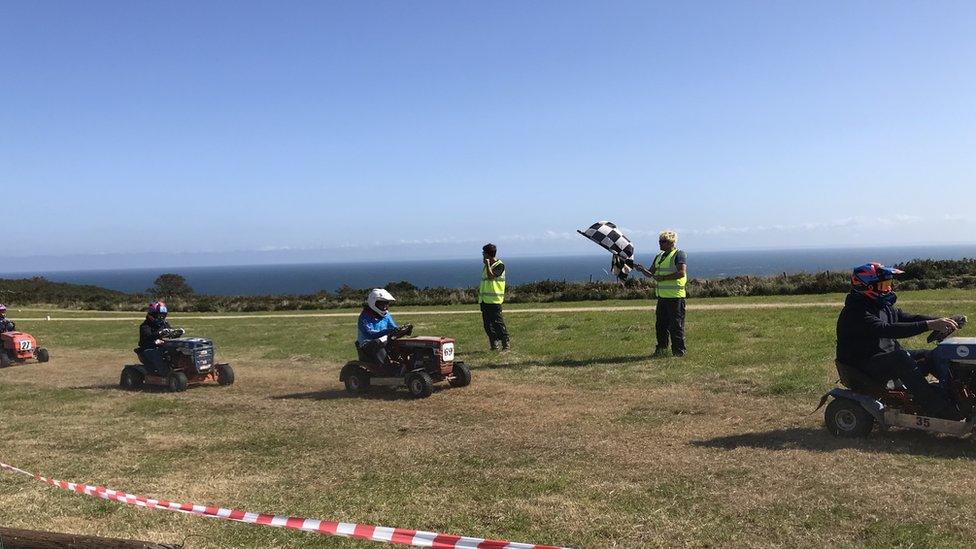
{"points": [[149, 333], [7, 325], [866, 328]]}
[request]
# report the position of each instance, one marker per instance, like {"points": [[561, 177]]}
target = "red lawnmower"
{"points": [[190, 359], [20, 347], [414, 362]]}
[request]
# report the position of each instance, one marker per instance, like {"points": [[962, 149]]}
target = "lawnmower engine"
{"points": [[954, 363], [193, 355], [18, 345], [434, 355]]}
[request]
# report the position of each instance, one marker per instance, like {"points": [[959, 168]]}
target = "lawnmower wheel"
{"points": [[420, 384], [225, 374], [42, 355], [846, 418], [4, 359], [461, 375], [357, 381], [131, 379], [177, 382]]}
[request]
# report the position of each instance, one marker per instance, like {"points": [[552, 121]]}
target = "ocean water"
{"points": [[310, 278]]}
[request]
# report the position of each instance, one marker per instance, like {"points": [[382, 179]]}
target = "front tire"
{"points": [[131, 379], [420, 384], [225, 374], [846, 418], [42, 355], [177, 382], [461, 375]]}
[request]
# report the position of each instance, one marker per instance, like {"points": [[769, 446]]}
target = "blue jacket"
{"points": [[6, 325], [374, 326]]}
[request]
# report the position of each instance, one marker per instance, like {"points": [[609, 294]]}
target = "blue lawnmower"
{"points": [[190, 360], [865, 401]]}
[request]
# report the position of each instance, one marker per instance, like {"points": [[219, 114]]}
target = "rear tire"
{"points": [[420, 384], [131, 379], [177, 382], [461, 375], [846, 418], [225, 374], [357, 381], [4, 359], [42, 355]]}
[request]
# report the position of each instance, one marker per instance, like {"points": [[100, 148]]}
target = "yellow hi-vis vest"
{"points": [[664, 264], [492, 290]]}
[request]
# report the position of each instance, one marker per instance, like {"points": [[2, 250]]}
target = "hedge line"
{"points": [[919, 274]]}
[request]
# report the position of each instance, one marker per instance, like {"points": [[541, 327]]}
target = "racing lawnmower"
{"points": [[866, 401], [190, 360], [19, 347], [415, 362]]}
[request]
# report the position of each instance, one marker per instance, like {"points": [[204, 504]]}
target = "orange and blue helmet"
{"points": [[873, 280]]}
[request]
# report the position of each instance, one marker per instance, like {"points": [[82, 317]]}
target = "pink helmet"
{"points": [[3, 308], [157, 308]]}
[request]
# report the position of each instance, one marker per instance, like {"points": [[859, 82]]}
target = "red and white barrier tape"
{"points": [[401, 536]]}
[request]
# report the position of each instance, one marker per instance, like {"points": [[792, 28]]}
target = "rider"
{"points": [[376, 325], [868, 329], [6, 325], [149, 338]]}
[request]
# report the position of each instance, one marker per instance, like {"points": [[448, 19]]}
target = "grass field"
{"points": [[574, 438]]}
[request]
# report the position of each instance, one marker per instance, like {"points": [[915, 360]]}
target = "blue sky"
{"points": [[335, 131]]}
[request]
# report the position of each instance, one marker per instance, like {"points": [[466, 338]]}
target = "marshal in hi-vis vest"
{"points": [[492, 290], [664, 265]]}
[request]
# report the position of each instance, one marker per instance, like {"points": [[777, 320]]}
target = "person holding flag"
{"points": [[669, 269]]}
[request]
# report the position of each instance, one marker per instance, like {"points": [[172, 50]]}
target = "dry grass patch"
{"points": [[582, 443]]}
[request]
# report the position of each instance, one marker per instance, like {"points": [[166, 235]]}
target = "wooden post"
{"points": [[13, 538]]}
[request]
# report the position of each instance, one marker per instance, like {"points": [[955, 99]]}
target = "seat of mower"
{"points": [[363, 357], [361, 354], [856, 379]]}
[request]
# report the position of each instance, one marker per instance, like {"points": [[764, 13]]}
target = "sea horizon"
{"points": [[308, 278]]}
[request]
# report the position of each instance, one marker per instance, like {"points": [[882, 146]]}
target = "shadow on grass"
{"points": [[564, 362], [335, 394], [100, 387], [146, 388], [909, 442]]}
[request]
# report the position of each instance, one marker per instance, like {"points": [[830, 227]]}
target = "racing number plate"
{"points": [[25, 345], [447, 351]]}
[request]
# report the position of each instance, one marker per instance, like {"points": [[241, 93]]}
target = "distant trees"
{"points": [[170, 285]]}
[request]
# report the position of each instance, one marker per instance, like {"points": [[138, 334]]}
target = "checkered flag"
{"points": [[608, 236]]}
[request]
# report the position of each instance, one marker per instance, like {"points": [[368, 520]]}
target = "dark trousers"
{"points": [[670, 322], [491, 315], [373, 351], [911, 368], [154, 360]]}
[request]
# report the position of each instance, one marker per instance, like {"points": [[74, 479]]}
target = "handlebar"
{"points": [[402, 331], [937, 337], [170, 333]]}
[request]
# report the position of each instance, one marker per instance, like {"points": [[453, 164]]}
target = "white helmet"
{"points": [[379, 295]]}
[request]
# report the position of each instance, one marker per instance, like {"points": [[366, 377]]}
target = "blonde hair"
{"points": [[668, 235]]}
